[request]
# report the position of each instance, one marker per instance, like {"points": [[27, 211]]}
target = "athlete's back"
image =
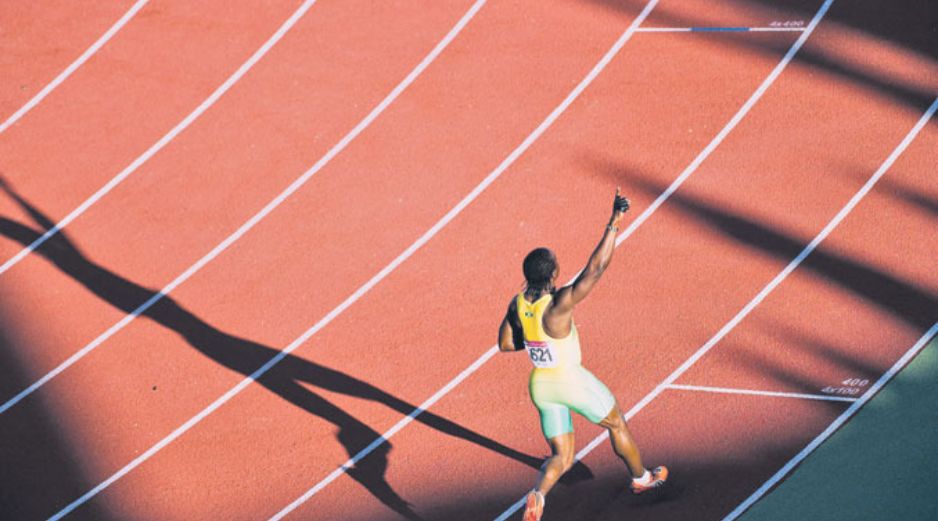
{"points": [[544, 350]]}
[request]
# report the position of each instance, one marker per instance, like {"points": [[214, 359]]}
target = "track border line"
{"points": [[835, 425], [729, 326], [753, 392], [163, 141], [85, 56]]}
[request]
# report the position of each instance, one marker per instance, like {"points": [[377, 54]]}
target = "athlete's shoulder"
{"points": [[563, 299]]}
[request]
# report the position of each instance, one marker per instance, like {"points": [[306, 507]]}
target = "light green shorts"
{"points": [[556, 391]]}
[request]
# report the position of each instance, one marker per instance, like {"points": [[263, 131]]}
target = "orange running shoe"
{"points": [[534, 506], [658, 477]]}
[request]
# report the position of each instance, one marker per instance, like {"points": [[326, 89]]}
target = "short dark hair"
{"points": [[539, 266]]}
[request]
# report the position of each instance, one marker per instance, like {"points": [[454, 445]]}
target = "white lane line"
{"points": [[403, 422], [74, 66], [743, 111], [836, 424], [248, 225], [156, 147], [429, 234], [857, 197], [123, 175], [774, 394], [721, 29], [231, 393], [634, 225], [777, 29]]}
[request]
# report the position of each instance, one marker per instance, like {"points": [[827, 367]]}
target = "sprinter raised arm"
{"points": [[540, 321]]}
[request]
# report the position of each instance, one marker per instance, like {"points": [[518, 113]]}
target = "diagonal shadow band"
{"points": [[910, 196], [245, 356], [905, 26], [912, 304]]}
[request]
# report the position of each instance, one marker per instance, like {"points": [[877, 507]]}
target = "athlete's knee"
{"points": [[614, 421], [565, 455]]}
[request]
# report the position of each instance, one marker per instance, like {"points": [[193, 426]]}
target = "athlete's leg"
{"points": [[558, 464], [554, 467], [596, 403], [625, 447], [622, 442], [591, 398]]}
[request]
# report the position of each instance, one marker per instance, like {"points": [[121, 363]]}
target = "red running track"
{"points": [[776, 180], [48, 37]]}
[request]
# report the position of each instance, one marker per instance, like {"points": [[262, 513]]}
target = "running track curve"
{"points": [[693, 249]]}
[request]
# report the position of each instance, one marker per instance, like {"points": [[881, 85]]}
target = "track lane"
{"points": [[729, 13], [487, 86], [910, 354], [157, 69], [758, 456], [266, 156], [410, 343], [855, 287], [48, 38], [712, 466], [498, 390], [427, 21], [73, 66], [483, 359]]}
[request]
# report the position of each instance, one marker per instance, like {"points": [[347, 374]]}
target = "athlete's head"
{"points": [[540, 269]]}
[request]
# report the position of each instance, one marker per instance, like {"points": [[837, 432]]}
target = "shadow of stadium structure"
{"points": [[24, 475], [906, 301], [24, 471], [701, 487], [704, 486], [238, 354], [906, 23], [899, 191]]}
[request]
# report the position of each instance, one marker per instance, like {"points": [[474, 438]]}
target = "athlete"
{"points": [[540, 321]]}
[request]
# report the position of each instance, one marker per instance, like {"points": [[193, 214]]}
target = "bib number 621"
{"points": [[541, 354]]}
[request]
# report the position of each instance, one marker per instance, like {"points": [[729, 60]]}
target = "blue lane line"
{"points": [[718, 29]]}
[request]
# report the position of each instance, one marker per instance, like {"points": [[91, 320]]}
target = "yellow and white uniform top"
{"points": [[545, 351]]}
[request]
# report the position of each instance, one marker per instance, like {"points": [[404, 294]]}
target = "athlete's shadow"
{"points": [[245, 357]]}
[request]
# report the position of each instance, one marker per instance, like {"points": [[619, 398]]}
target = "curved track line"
{"points": [[169, 136], [74, 66], [388, 269], [492, 351], [821, 438], [362, 125], [883, 380], [245, 67], [766, 290], [259, 216]]}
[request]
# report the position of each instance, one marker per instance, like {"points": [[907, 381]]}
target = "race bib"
{"points": [[542, 354]]}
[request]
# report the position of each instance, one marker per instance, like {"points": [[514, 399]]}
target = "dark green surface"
{"points": [[883, 464]]}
